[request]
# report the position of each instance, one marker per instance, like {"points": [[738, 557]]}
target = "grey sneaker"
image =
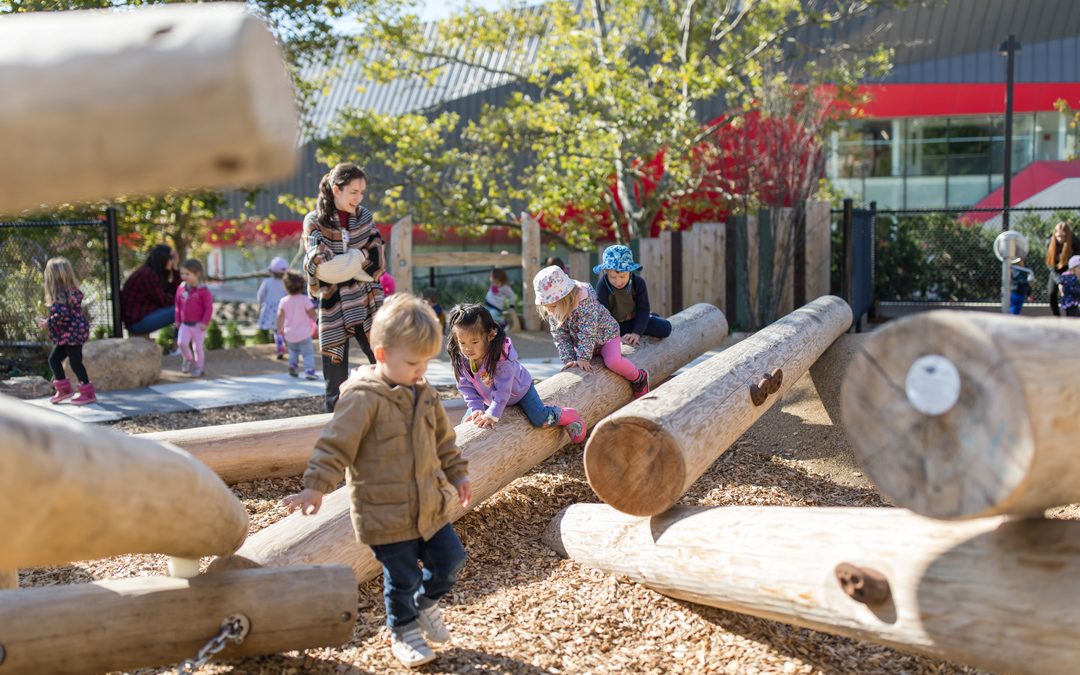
{"points": [[410, 647], [292, 370], [431, 624], [185, 367]]}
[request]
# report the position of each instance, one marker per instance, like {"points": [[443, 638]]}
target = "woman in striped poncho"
{"points": [[337, 224]]}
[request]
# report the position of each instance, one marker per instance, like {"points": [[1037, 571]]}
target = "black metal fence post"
{"points": [[111, 235], [847, 255]]}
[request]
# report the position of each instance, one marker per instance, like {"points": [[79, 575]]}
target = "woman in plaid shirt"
{"points": [[147, 299]]}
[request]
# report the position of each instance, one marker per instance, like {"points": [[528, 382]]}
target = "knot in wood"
{"points": [[864, 584]]}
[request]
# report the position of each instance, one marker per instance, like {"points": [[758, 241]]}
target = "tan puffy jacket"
{"points": [[398, 456]]}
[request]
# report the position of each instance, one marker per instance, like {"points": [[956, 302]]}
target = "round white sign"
{"points": [[933, 385]]}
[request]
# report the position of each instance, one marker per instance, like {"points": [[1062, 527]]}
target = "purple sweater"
{"points": [[509, 385]]}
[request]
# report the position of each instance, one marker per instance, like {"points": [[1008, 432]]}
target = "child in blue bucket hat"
{"points": [[627, 297]]}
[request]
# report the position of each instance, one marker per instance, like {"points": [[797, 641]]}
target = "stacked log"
{"points": [[71, 492], [644, 457], [965, 414], [994, 593], [496, 457]]}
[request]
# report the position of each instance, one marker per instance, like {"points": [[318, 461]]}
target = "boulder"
{"points": [[120, 363], [29, 386]]}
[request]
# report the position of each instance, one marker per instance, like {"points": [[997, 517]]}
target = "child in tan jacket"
{"points": [[392, 440]]}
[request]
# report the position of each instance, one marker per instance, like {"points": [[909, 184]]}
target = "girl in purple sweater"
{"points": [[490, 377], [194, 307]]}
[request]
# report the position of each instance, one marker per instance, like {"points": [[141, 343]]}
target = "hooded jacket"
{"points": [[509, 384], [194, 305], [398, 455]]}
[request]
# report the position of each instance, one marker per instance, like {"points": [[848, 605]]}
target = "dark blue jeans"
{"points": [[539, 414], [1016, 303], [406, 587], [155, 320], [657, 327]]}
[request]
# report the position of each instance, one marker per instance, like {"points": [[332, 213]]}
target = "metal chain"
{"points": [[233, 629]]}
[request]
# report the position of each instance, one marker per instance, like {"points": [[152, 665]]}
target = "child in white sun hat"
{"points": [[582, 328]]}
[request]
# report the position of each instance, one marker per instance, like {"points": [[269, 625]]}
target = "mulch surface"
{"points": [[520, 609]]}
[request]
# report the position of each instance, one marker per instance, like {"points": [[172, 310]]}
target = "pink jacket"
{"points": [[194, 304]]}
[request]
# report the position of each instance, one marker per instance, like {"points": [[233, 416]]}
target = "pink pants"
{"points": [[615, 361], [192, 334]]}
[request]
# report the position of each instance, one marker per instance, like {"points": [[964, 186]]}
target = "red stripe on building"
{"points": [[890, 101]]}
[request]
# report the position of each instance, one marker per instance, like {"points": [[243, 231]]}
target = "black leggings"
{"points": [[335, 374], [74, 354]]}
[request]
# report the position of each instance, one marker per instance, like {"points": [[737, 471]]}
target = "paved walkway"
{"points": [[176, 392]]}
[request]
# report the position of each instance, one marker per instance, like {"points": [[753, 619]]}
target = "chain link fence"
{"points": [[25, 248], [948, 255], [466, 286]]}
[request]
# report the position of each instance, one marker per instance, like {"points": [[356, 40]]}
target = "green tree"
{"points": [[598, 95]]}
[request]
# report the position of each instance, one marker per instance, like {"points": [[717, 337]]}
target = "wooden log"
{"points": [[530, 263], [71, 492], [158, 621], [401, 264], [141, 101], [465, 259], [496, 457], [964, 414], [993, 593], [249, 451], [644, 457], [9, 579]]}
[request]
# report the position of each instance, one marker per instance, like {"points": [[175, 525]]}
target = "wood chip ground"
{"points": [[519, 609]]}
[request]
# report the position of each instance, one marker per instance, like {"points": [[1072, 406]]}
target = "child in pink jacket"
{"points": [[194, 307]]}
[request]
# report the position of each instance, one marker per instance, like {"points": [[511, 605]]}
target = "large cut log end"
{"points": [[635, 465], [552, 536], [937, 417]]}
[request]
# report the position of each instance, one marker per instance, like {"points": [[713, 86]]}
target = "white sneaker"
{"points": [[185, 367], [410, 647], [431, 624]]}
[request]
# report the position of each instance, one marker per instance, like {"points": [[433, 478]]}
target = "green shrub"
{"points": [[233, 338], [262, 337], [166, 338], [100, 333], [214, 339]]}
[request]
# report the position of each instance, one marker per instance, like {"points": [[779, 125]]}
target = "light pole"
{"points": [[1009, 49]]}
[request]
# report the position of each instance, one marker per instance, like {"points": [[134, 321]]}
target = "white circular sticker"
{"points": [[933, 385]]}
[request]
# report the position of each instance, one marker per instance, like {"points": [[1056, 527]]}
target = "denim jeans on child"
{"points": [[539, 414], [406, 587], [656, 327], [304, 349]]}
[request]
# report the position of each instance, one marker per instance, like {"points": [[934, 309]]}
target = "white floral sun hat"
{"points": [[551, 285]]}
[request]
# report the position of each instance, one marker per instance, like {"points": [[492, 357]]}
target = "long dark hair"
{"points": [[474, 319], [341, 175], [158, 260]]}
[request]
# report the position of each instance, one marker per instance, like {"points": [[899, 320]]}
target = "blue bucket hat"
{"points": [[618, 259]]}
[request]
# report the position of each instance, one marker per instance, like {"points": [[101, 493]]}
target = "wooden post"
{"points": [[992, 593], [644, 457], [579, 266], [783, 266], [496, 457], [964, 414], [818, 249], [73, 492], [9, 579], [714, 264], [530, 263], [663, 272], [249, 451], [401, 265], [159, 621], [139, 102]]}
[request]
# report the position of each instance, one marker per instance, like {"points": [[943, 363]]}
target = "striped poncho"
{"points": [[344, 307]]}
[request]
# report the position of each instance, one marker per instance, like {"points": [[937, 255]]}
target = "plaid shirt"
{"points": [[144, 293]]}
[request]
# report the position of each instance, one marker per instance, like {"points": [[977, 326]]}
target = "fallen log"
{"points": [[141, 101], [496, 457], [69, 491], [644, 457], [993, 593], [249, 451], [965, 414], [158, 621]]}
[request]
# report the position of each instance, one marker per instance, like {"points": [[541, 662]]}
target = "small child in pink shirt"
{"points": [[294, 324]]}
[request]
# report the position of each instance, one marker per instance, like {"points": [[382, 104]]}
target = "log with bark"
{"points": [[250, 451], [644, 457], [69, 491], [496, 457], [993, 593], [965, 414], [141, 101], [124, 624]]}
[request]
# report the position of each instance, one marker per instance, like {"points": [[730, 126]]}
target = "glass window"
{"points": [[969, 146], [864, 149], [926, 147]]}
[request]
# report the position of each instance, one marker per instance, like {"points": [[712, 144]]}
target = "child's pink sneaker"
{"points": [[575, 426], [640, 386]]}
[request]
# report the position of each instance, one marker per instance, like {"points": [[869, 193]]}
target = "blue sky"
{"points": [[433, 10]]}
